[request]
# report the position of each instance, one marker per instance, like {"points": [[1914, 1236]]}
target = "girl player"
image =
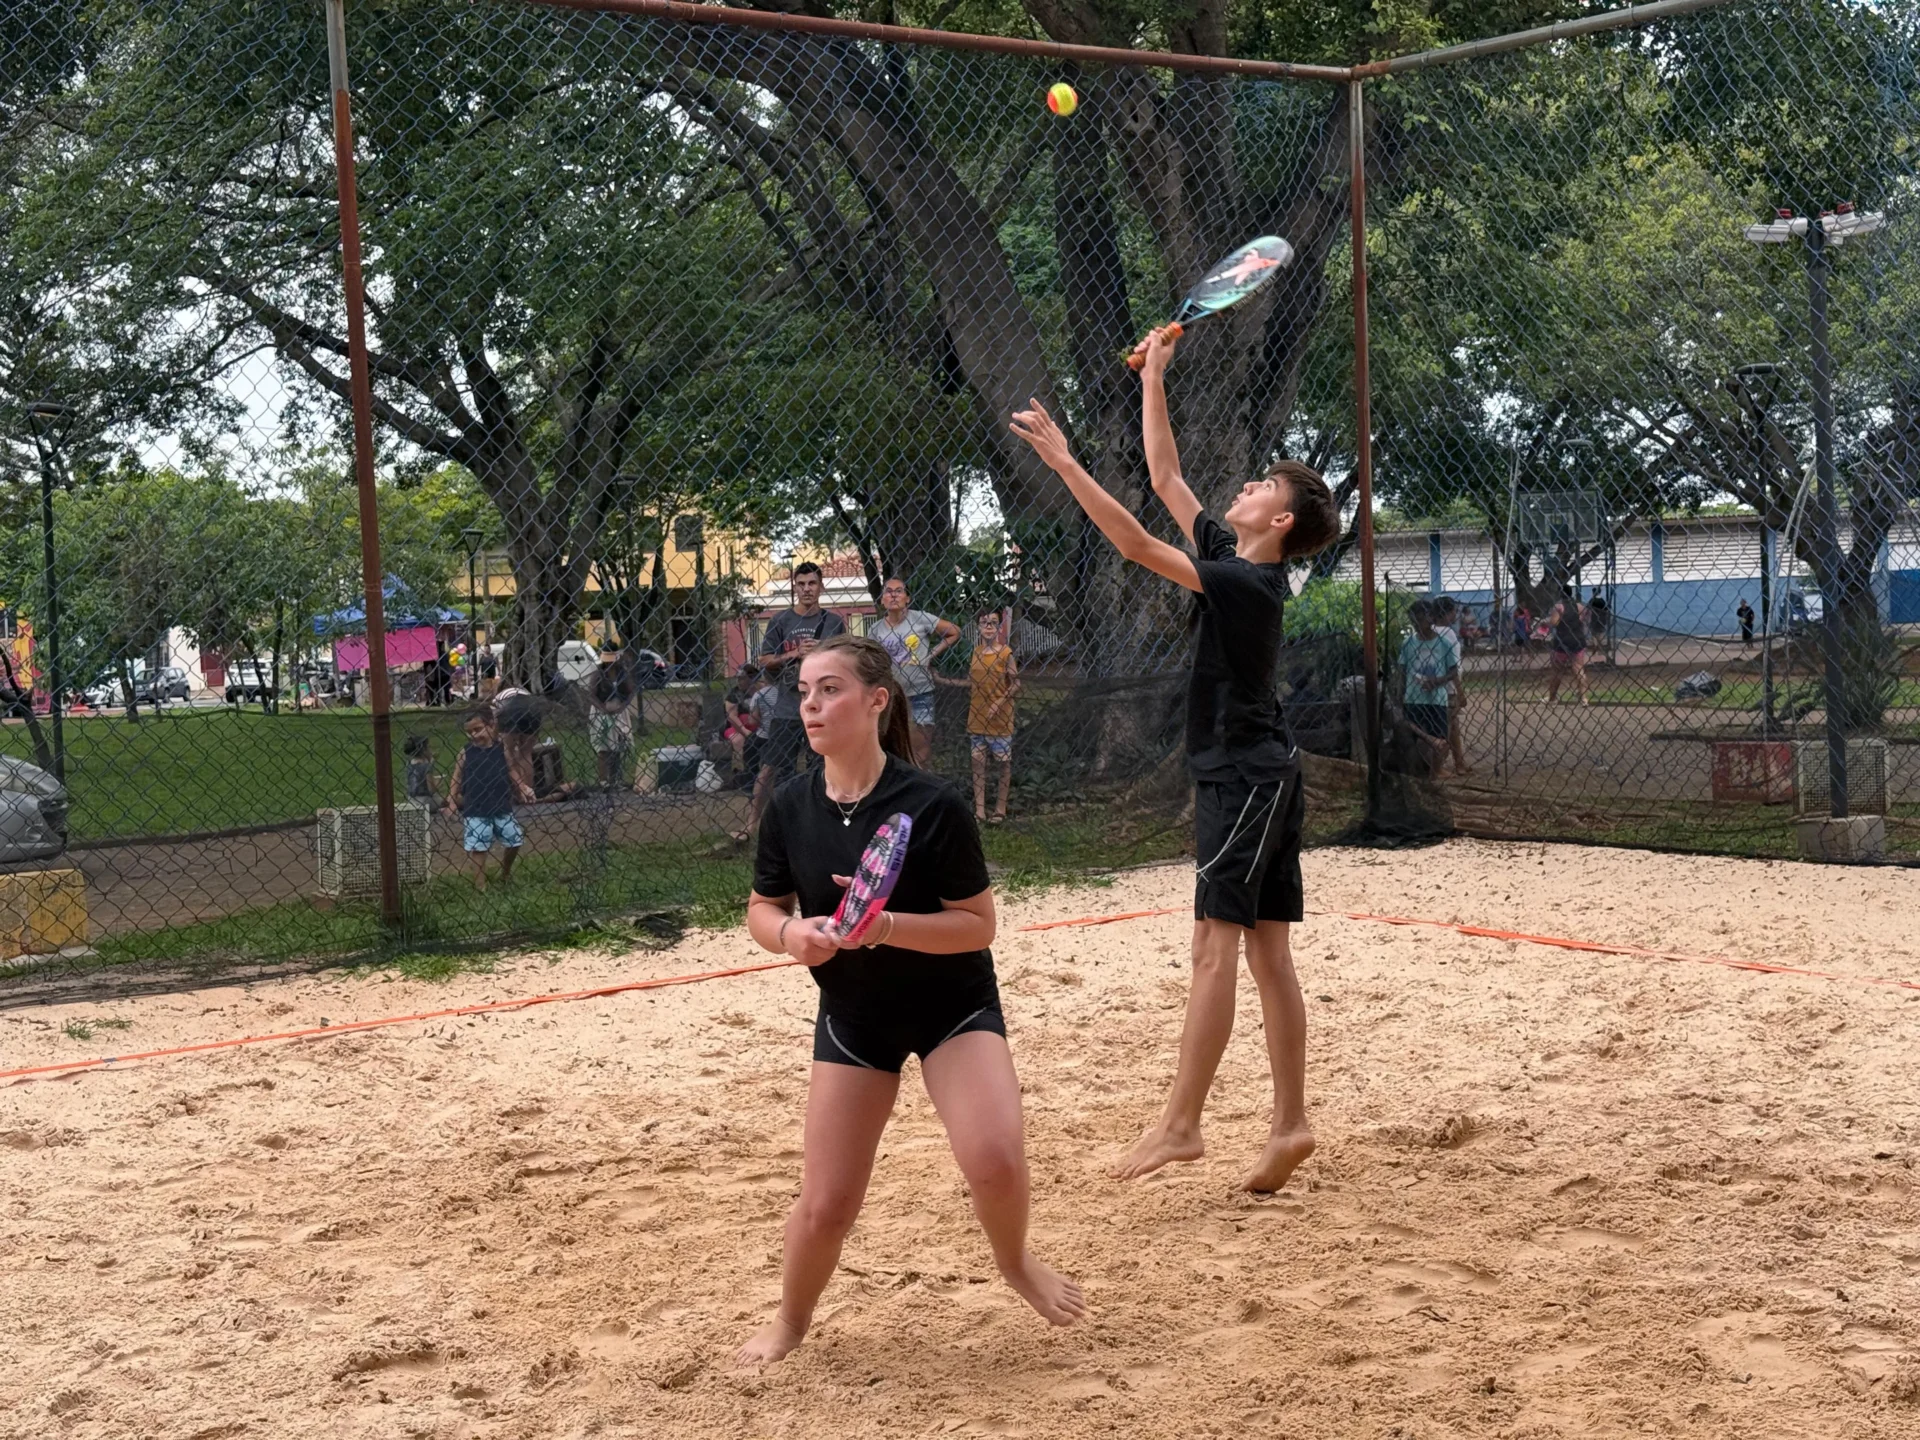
{"points": [[922, 984]]}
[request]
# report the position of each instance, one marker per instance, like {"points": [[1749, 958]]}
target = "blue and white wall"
{"points": [[1686, 576]]}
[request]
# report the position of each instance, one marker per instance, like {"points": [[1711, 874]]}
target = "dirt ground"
{"points": [[1558, 1194]]}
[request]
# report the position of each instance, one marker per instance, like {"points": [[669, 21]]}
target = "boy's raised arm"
{"points": [[1156, 430], [1116, 522]]}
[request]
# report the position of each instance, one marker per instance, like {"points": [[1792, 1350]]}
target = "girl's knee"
{"points": [[995, 1167], [829, 1214]]}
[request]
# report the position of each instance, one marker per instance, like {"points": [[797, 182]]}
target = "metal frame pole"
{"points": [[1363, 430], [360, 378], [52, 581], [1818, 269]]}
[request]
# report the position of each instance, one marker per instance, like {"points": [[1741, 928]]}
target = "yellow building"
{"points": [[695, 554]]}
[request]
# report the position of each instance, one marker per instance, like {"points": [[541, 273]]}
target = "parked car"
{"points": [[33, 812], [1806, 609], [105, 695], [170, 684], [578, 661], [248, 680]]}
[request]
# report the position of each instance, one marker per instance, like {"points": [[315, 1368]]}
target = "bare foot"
{"points": [[1285, 1150], [773, 1341], [1058, 1300], [1152, 1150]]}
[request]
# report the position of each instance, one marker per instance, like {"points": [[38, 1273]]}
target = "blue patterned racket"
{"points": [[1241, 274]]}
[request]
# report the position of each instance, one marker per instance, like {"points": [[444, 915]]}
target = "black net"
{"points": [[1597, 392], [656, 312]]}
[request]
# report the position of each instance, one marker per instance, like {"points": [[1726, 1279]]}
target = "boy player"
{"points": [[1248, 801]]}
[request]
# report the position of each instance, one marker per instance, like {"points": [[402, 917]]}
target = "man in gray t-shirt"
{"points": [[791, 636], [915, 639]]}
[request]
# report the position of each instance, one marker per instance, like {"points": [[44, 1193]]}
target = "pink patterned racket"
{"points": [[873, 881]]}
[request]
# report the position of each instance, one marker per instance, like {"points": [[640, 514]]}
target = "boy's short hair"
{"points": [[1444, 606], [1420, 610], [415, 745], [807, 567], [1316, 518], [484, 714], [988, 612]]}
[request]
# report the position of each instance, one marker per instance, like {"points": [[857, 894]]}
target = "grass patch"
{"points": [[85, 1029], [195, 770], [452, 929]]}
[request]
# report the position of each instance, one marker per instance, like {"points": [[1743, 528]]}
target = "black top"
{"points": [[803, 846], [485, 791], [1570, 630], [1234, 725]]}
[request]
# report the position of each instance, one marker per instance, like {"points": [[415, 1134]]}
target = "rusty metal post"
{"points": [[1363, 429], [360, 375]]}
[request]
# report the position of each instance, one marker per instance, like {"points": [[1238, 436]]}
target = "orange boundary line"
{"points": [[349, 1027], [1559, 942], [1483, 932]]}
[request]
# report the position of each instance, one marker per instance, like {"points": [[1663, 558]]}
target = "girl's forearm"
{"points": [[764, 919], [951, 932]]}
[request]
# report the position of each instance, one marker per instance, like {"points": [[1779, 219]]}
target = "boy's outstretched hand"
{"points": [[1157, 349], [1038, 429]]}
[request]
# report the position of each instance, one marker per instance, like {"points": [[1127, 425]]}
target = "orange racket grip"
{"points": [[1138, 358]]}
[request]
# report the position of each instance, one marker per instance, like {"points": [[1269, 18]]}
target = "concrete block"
{"points": [[42, 912], [1858, 837]]}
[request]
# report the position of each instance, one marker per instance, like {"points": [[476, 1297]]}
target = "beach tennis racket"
{"points": [[873, 881], [1243, 273]]}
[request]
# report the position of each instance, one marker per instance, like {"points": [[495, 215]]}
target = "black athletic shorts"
{"points": [[871, 1046], [1428, 719], [1247, 850], [519, 715], [783, 742]]}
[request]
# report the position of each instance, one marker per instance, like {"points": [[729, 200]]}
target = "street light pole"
{"points": [[50, 413], [1819, 268], [472, 537], [1830, 227]]}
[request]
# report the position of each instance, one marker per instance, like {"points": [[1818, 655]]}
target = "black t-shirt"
{"points": [[784, 634], [803, 846], [1234, 725]]}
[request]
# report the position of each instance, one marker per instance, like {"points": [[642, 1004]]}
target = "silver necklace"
{"points": [[847, 808]]}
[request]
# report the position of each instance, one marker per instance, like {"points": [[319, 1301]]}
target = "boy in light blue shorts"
{"points": [[483, 791]]}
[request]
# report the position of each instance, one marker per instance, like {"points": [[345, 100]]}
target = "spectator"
{"points": [[1744, 613], [483, 791], [744, 715], [994, 680], [610, 697], [1431, 665], [791, 635], [16, 700], [1568, 637], [1522, 627], [914, 639], [518, 714], [422, 784], [1599, 614], [1446, 624]]}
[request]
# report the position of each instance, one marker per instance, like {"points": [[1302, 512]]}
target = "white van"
{"points": [[576, 662]]}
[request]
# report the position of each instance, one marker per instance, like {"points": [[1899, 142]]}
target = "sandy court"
{"points": [[1558, 1194]]}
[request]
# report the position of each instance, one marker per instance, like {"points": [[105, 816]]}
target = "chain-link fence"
{"points": [[657, 310]]}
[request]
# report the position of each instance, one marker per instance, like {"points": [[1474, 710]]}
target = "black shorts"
{"points": [[1247, 850], [781, 743], [519, 715], [871, 1046], [1428, 719]]}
